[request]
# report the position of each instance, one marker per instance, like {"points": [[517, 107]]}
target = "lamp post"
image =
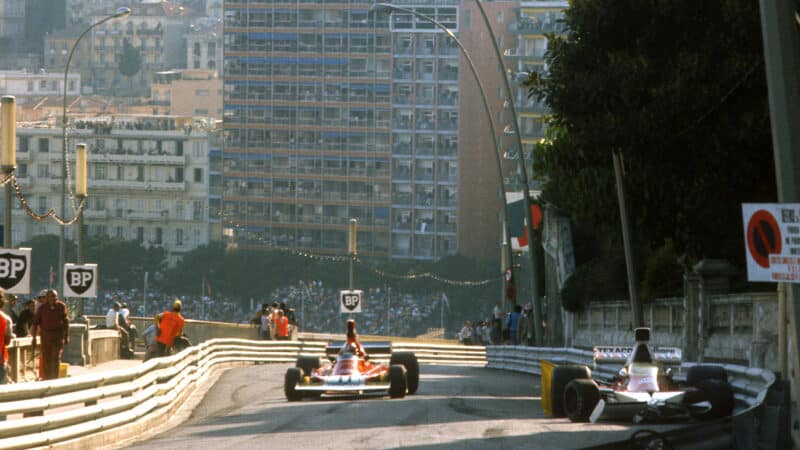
{"points": [[388, 8], [80, 192], [526, 194], [352, 248], [121, 12], [8, 156]]}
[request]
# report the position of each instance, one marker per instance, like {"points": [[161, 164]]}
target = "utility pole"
{"points": [[781, 50], [633, 290]]}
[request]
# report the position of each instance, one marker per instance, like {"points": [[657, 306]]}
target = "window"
{"points": [[140, 173], [30, 86], [197, 210], [466, 24], [44, 145], [196, 237], [41, 203], [179, 174], [100, 172], [71, 85], [179, 209], [42, 84], [159, 239], [179, 237], [140, 234], [212, 49], [500, 18], [22, 170], [24, 143], [120, 233], [198, 175], [42, 170]]}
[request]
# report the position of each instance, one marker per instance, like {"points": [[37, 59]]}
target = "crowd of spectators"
{"points": [[383, 310]]}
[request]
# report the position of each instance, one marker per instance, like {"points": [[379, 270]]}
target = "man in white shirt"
{"points": [[112, 323]]}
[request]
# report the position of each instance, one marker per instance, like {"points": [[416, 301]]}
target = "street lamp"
{"points": [[388, 8], [8, 156], [121, 12], [526, 194]]}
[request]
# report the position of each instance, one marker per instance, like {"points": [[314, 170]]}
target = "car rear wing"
{"points": [[620, 354], [372, 348]]}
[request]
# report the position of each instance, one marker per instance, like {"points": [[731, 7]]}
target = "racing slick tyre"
{"points": [[409, 361], [293, 375], [562, 375], [398, 383], [717, 392], [580, 398], [307, 364], [696, 374]]}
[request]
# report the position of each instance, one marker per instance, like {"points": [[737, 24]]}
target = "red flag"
{"points": [[52, 277]]}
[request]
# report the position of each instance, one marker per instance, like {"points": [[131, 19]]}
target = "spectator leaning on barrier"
{"points": [[465, 335], [52, 319], [170, 326], [6, 324], [23, 325], [281, 326], [512, 322]]}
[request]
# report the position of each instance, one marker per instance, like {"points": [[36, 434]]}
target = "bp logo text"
{"points": [[350, 301], [14, 270], [80, 280]]}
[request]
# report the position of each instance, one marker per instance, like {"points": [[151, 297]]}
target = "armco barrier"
{"points": [[51, 412], [750, 385]]}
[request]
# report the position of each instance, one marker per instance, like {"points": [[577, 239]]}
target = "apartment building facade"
{"points": [[148, 179], [307, 125]]}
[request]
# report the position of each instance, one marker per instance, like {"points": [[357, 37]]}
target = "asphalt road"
{"points": [[455, 408]]}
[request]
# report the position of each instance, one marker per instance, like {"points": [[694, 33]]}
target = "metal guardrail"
{"points": [[49, 412]]}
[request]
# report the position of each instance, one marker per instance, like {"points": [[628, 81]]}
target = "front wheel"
{"points": [[409, 361], [398, 384], [290, 381], [580, 398]]}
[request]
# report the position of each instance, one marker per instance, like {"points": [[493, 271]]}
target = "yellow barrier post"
{"points": [[547, 374]]}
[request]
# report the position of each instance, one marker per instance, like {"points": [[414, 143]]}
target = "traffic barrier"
{"points": [[55, 411]]}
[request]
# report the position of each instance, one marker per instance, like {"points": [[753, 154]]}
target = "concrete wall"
{"points": [[737, 328]]}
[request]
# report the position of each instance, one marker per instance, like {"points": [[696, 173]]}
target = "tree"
{"points": [[130, 61], [678, 88]]}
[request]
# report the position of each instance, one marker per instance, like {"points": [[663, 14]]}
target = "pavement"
{"points": [[108, 366]]}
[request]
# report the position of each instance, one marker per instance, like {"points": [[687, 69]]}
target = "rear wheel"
{"points": [[409, 361], [561, 376], [580, 398], [290, 381], [307, 364], [398, 384]]}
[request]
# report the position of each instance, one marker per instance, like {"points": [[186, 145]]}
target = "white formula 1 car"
{"points": [[644, 389]]}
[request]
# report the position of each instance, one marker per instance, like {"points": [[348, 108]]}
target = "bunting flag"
{"points": [[519, 223]]}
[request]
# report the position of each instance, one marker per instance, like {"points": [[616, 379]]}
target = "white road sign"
{"points": [[350, 301], [772, 241], [80, 280], [15, 270]]}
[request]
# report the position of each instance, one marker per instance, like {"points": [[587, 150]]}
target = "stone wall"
{"points": [[736, 328]]}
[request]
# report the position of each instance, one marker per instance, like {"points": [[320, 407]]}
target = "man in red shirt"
{"points": [[52, 319], [169, 327], [281, 326]]}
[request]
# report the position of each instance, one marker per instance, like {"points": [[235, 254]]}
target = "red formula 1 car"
{"points": [[344, 372], [644, 390]]}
